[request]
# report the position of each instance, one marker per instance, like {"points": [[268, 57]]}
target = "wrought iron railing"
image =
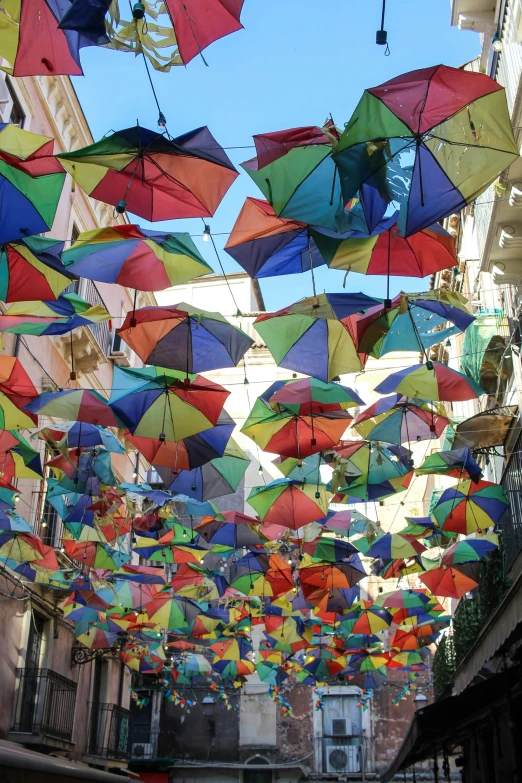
{"points": [[512, 520], [100, 331], [44, 703], [147, 744], [108, 731]]}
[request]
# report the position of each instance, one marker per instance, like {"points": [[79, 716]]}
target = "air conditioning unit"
{"points": [[47, 384], [120, 352], [342, 759], [142, 750]]}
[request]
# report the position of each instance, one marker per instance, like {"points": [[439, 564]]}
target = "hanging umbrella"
{"points": [[21, 547], [411, 322], [260, 574], [11, 521], [432, 140], [227, 534], [135, 257], [400, 599], [310, 394], [392, 546], [154, 401], [20, 460], [181, 337], [431, 381], [192, 666], [266, 245], [74, 434], [189, 453], [398, 419], [288, 634], [458, 463], [332, 549], [95, 555], [318, 576], [31, 269], [368, 470], [31, 179], [83, 405], [448, 582], [289, 503], [33, 44], [50, 318], [316, 336], [388, 253], [15, 383], [293, 434], [153, 176], [468, 550], [218, 477], [469, 507], [372, 620]]}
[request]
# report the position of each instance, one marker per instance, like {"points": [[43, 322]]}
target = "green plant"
{"points": [[443, 666]]}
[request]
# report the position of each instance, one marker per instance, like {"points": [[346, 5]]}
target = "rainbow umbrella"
{"points": [[15, 383], [388, 253], [458, 463], [31, 180], [182, 337], [392, 546], [469, 507], [75, 434], [67, 313], [95, 555], [432, 140], [407, 660], [154, 401], [33, 43], [289, 503], [368, 470], [21, 547], [316, 336], [372, 620], [310, 394], [398, 419], [227, 534], [19, 460], [152, 175], [172, 613], [11, 521], [135, 257], [332, 549], [266, 245], [319, 576], [411, 322], [261, 574], [192, 666], [31, 269], [83, 405], [218, 477], [403, 599], [294, 434], [288, 634], [448, 581], [431, 381], [469, 550]]}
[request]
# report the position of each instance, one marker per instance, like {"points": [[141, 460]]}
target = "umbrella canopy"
{"points": [[266, 245], [468, 550], [227, 534], [316, 335], [389, 253], [33, 44], [448, 582], [392, 546], [31, 269], [318, 576], [431, 139], [154, 401], [398, 419], [135, 257], [20, 460], [218, 477], [84, 405], [411, 322], [469, 507], [68, 312], [289, 503], [181, 337], [189, 453], [294, 434], [458, 463], [369, 470], [431, 381], [332, 549], [153, 176], [31, 180], [73, 434], [310, 394]]}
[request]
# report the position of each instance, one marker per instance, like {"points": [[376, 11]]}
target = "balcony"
{"points": [[91, 345], [150, 746], [108, 732], [44, 708]]}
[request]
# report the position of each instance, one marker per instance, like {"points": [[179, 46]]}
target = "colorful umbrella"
{"points": [[458, 463], [469, 550], [431, 381], [154, 401], [31, 181], [388, 253], [74, 434], [316, 335], [135, 257], [153, 176], [289, 503], [332, 549], [469, 507], [411, 322], [372, 620], [398, 419], [267, 246], [181, 337], [84, 405], [318, 576], [19, 460], [392, 546], [368, 470], [294, 434], [448, 582], [96, 555], [31, 269], [431, 139], [218, 477], [49, 318], [260, 574], [310, 394], [227, 534]]}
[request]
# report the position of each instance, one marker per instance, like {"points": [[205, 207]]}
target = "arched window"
{"points": [[257, 775]]}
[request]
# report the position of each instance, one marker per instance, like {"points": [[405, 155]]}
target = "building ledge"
{"points": [[104, 761], [184, 764], [40, 740]]}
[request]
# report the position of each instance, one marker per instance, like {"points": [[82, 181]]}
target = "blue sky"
{"points": [[295, 62]]}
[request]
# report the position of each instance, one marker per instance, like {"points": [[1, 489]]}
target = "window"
{"points": [[17, 116], [338, 727], [74, 287]]}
